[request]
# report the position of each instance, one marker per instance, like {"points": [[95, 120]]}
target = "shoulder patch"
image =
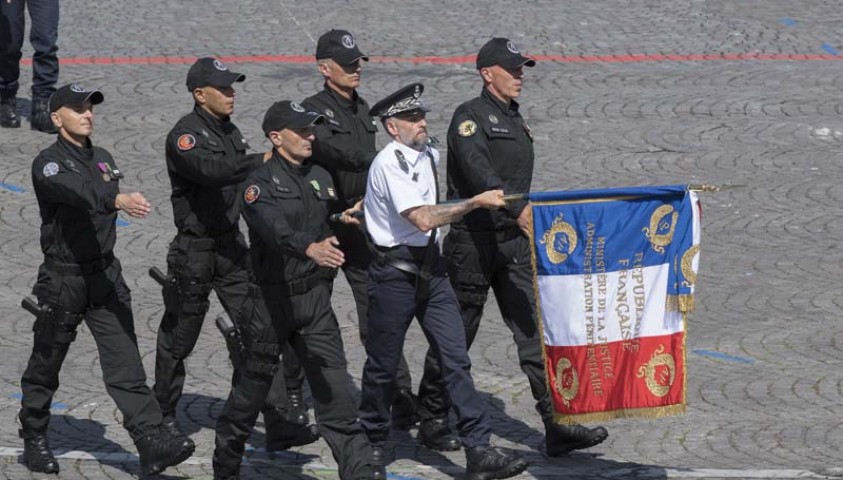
{"points": [[467, 128], [252, 194], [50, 169], [186, 142]]}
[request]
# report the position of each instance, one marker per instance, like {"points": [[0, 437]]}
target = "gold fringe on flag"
{"points": [[680, 303], [649, 412]]}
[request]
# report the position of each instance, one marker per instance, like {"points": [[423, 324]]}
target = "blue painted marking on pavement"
{"points": [[395, 476], [11, 188], [829, 49], [723, 356], [787, 22], [122, 223], [55, 405]]}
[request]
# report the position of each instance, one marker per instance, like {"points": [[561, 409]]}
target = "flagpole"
{"points": [[506, 198]]}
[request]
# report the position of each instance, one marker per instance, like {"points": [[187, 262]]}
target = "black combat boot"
{"points": [[296, 409], [172, 428], [40, 119], [9, 111], [158, 449], [405, 410], [436, 434], [485, 463], [562, 439], [37, 455], [281, 434], [378, 463]]}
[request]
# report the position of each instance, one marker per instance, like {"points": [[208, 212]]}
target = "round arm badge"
{"points": [[252, 194], [467, 128], [186, 142]]}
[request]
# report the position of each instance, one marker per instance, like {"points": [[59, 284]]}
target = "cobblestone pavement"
{"points": [[764, 348]]}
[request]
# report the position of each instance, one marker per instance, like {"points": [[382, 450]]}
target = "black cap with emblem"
{"points": [[405, 100], [74, 94], [287, 114], [210, 72], [503, 52], [339, 46]]}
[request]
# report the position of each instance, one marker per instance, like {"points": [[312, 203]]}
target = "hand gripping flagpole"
{"points": [[336, 217]]}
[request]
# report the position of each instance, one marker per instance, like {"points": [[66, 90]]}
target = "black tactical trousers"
{"points": [[394, 305], [43, 34], [475, 263], [356, 270], [102, 300], [199, 265], [307, 322]]}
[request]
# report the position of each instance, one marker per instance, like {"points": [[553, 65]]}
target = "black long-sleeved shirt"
{"points": [[286, 209], [345, 143], [490, 146], [207, 161], [78, 216]]}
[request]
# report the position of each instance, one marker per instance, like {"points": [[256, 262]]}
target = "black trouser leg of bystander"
{"points": [[43, 35]]}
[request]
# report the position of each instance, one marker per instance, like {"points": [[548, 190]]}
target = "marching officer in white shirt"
{"points": [[408, 280]]}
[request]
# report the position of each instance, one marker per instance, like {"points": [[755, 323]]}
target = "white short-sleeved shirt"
{"points": [[393, 188]]}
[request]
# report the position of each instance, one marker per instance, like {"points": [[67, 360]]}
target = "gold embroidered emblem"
{"points": [[467, 128], [659, 372], [567, 383], [560, 240], [660, 231], [687, 266]]}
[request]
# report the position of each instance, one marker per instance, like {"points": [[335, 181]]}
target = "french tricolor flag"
{"points": [[614, 281]]}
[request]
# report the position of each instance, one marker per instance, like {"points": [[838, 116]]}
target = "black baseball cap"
{"points": [[210, 72], [287, 114], [405, 100], [503, 52], [74, 94], [340, 46]]}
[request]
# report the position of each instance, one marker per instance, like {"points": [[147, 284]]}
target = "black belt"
{"points": [[484, 236], [298, 286], [210, 242], [396, 257], [87, 268]]}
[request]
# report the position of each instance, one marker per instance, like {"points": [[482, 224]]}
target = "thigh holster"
{"points": [[262, 359], [193, 304], [471, 288], [55, 327]]}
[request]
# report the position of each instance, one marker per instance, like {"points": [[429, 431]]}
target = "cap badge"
{"points": [[315, 184], [252, 194], [219, 65], [348, 41], [296, 107], [51, 169], [493, 119], [77, 88], [511, 47], [329, 113], [467, 128], [186, 142], [417, 92]]}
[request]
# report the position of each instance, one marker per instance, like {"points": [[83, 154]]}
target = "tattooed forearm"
{"points": [[428, 217]]}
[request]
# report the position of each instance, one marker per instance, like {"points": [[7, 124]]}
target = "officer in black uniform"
{"points": [[408, 280], [345, 146], [207, 161], [78, 193], [490, 146], [295, 258]]}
